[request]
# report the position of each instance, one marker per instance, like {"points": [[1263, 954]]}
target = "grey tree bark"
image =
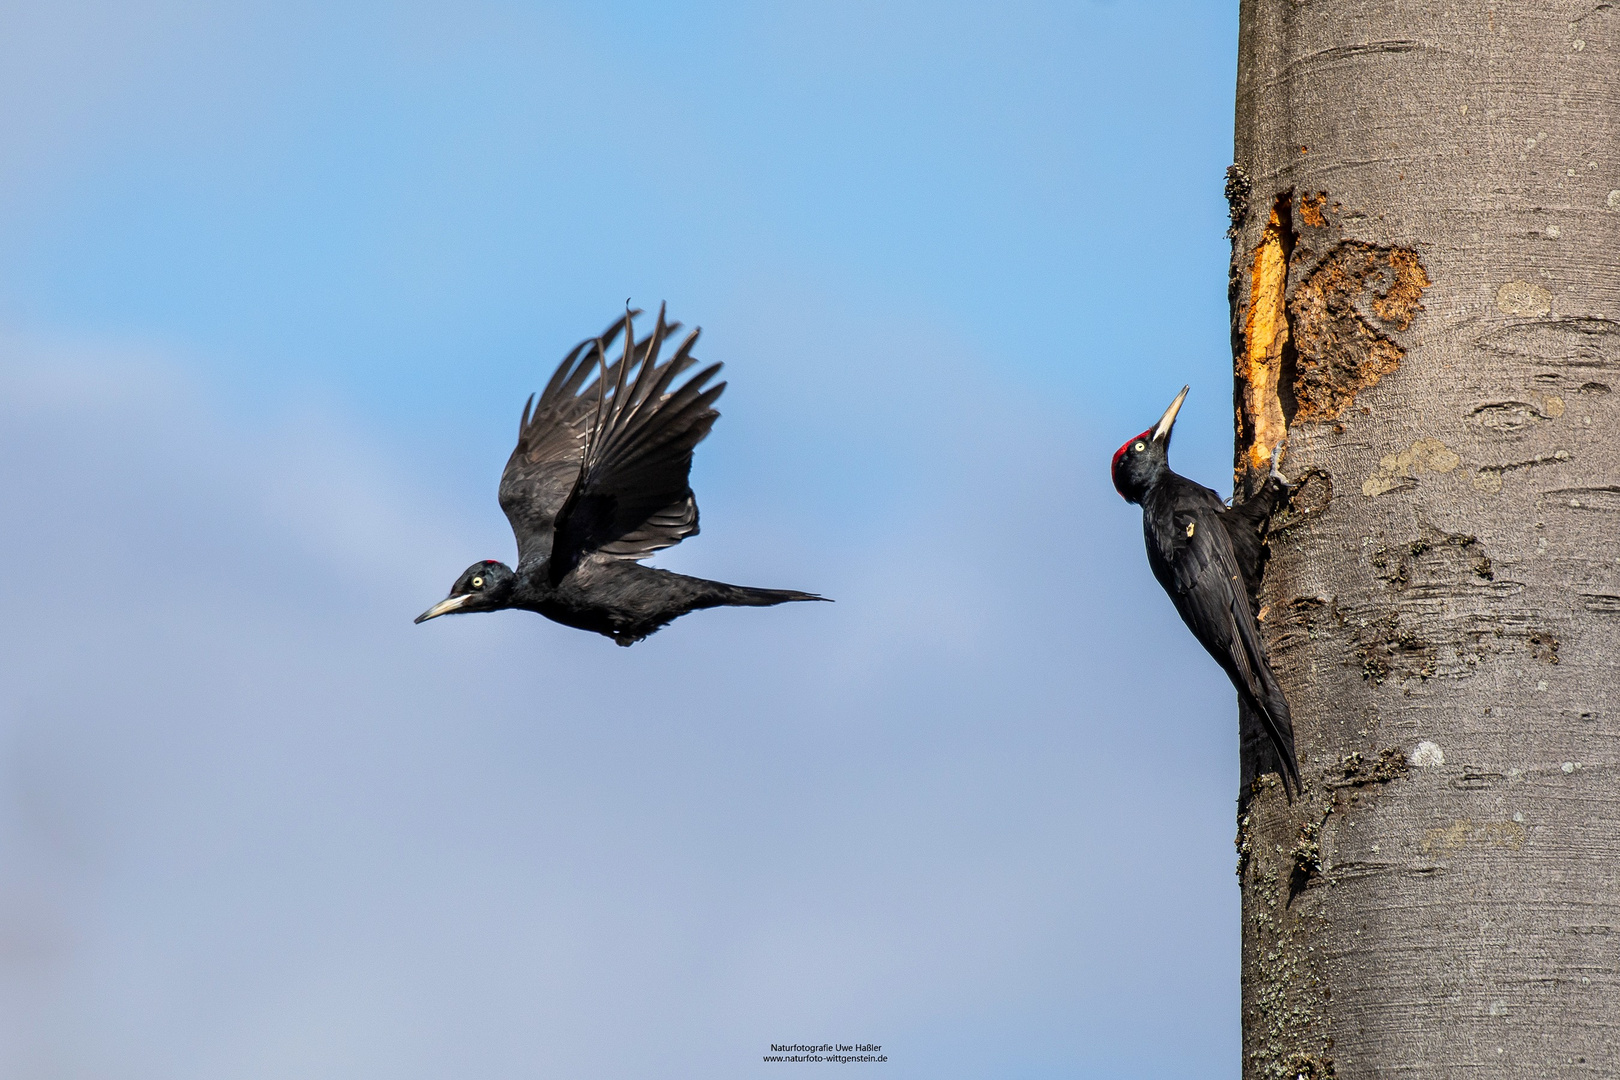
{"points": [[1426, 301]]}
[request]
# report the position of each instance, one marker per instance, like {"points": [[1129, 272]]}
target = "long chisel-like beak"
{"points": [[1161, 433], [444, 607]]}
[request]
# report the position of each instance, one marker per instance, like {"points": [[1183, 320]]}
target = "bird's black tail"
{"points": [[1266, 744], [744, 596]]}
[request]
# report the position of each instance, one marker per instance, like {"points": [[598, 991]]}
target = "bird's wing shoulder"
{"points": [[545, 464], [633, 495], [1191, 538]]}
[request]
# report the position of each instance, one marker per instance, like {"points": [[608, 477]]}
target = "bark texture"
{"points": [[1426, 204]]}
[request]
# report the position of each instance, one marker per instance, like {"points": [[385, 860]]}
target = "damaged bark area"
{"points": [[1343, 313], [1305, 354], [1266, 345]]}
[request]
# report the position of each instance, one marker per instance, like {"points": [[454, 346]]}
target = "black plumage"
{"points": [[598, 481], [1209, 557]]}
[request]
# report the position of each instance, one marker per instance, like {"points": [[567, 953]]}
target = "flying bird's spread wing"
{"points": [[632, 496], [551, 442]]}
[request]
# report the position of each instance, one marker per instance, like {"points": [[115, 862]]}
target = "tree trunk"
{"points": [[1426, 301]]}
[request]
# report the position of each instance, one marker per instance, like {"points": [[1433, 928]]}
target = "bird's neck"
{"points": [[533, 584], [1162, 485], [1150, 481]]}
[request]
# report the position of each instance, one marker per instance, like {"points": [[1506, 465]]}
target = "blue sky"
{"points": [[276, 279]]}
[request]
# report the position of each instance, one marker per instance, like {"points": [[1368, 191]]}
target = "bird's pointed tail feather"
{"points": [[1262, 751], [745, 596]]}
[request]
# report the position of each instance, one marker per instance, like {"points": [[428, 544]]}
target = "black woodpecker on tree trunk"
{"points": [[1208, 557], [598, 482]]}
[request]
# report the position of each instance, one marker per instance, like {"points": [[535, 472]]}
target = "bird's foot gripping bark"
{"points": [[1276, 456]]}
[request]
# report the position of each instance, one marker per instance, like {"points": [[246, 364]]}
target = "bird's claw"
{"points": [[1276, 455]]}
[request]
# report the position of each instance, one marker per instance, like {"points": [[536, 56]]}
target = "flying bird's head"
{"points": [[485, 586], [1142, 461]]}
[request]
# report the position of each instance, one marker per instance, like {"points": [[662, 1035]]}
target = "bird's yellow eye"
{"points": [[1140, 446], [478, 583]]}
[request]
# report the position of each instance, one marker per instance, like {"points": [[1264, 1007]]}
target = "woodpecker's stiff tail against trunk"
{"points": [[1208, 558]]}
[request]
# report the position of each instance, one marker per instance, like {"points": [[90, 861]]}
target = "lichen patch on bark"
{"points": [[1308, 1067], [1362, 770], [1238, 187], [1481, 834], [1523, 298], [1341, 315], [1401, 470]]}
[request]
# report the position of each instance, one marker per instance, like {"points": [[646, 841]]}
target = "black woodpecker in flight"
{"points": [[598, 482], [1208, 557]]}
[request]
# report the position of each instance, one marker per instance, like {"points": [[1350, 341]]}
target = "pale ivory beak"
{"points": [[444, 607], [1168, 420]]}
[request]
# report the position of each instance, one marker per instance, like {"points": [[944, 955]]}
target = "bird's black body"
{"points": [[598, 481], [1208, 558]]}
